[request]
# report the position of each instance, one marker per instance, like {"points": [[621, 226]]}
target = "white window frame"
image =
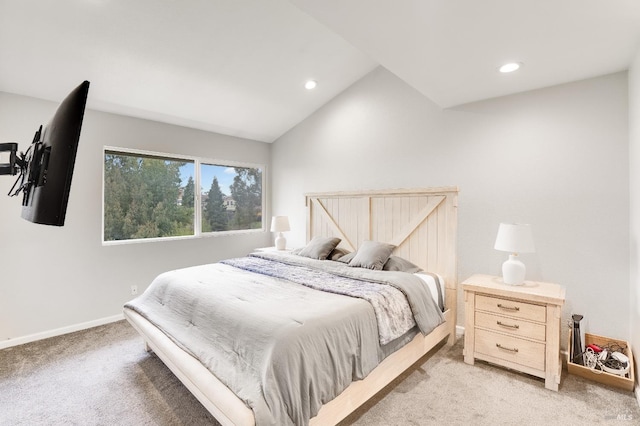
{"points": [[197, 222]]}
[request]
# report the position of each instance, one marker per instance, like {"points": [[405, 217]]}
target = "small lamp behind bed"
{"points": [[280, 224], [514, 238]]}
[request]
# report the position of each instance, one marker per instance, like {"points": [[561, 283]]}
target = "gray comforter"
{"points": [[283, 348]]}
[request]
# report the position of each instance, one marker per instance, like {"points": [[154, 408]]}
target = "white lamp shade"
{"points": [[515, 238], [280, 224]]}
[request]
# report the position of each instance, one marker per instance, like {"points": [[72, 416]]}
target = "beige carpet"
{"points": [[102, 376]]}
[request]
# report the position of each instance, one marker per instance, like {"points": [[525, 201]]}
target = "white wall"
{"points": [[52, 278], [555, 158], [634, 168]]}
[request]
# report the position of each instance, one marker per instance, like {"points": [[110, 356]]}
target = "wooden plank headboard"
{"points": [[421, 223]]}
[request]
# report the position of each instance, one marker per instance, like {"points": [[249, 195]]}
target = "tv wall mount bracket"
{"points": [[18, 164], [10, 168]]}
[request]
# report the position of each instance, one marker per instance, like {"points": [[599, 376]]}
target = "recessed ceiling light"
{"points": [[310, 84], [510, 67]]}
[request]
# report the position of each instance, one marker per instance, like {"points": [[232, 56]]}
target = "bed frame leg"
{"points": [[451, 339], [147, 348]]}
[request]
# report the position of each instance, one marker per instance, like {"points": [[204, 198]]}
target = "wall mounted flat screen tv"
{"points": [[47, 167]]}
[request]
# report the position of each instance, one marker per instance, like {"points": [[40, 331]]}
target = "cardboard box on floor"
{"points": [[622, 382]]}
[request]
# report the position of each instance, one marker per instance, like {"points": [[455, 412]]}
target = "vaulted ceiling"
{"points": [[238, 67]]}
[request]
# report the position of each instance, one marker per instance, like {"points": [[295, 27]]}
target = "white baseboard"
{"points": [[59, 331], [459, 330], [638, 393]]}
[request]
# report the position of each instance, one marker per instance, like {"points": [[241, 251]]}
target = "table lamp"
{"points": [[514, 238], [280, 224]]}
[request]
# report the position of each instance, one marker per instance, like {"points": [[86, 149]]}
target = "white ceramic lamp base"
{"points": [[513, 271], [281, 242]]}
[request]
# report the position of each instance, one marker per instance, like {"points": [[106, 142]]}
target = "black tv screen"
{"points": [[53, 155]]}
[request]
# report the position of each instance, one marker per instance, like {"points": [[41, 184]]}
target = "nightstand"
{"points": [[514, 326]]}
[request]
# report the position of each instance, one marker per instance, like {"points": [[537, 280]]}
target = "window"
{"points": [[233, 198], [154, 196]]}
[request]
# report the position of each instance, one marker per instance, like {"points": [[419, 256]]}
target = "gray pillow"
{"points": [[337, 253], [347, 257], [397, 263], [372, 255], [319, 247]]}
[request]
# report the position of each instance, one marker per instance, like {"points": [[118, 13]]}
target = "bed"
{"points": [[420, 225]]}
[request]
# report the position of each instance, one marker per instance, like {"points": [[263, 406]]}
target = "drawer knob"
{"points": [[514, 350], [514, 326], [510, 308]]}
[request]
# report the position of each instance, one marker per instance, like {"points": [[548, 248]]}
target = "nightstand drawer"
{"points": [[510, 325], [520, 351], [512, 308]]}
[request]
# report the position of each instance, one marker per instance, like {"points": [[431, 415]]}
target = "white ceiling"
{"points": [[450, 50], [238, 67], [235, 67]]}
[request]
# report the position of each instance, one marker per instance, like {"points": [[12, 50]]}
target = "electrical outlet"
{"points": [[134, 290]]}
